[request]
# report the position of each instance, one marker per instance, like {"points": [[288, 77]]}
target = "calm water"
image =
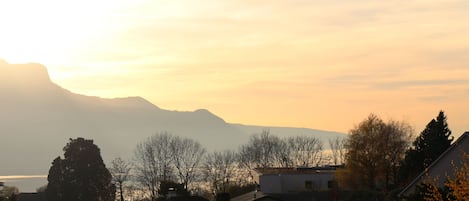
{"points": [[26, 183]]}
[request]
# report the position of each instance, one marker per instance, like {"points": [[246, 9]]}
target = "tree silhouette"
{"points": [[219, 170], [9, 193], [55, 178], [81, 175], [120, 170], [187, 155], [429, 145], [375, 149]]}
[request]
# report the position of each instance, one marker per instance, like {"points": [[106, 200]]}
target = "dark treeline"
{"points": [[380, 158], [164, 157]]}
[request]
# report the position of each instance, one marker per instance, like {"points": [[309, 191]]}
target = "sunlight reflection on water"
{"points": [[25, 183]]}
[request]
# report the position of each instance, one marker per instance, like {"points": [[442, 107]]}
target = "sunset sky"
{"points": [[323, 64]]}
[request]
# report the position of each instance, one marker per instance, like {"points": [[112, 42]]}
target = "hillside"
{"points": [[38, 117]]}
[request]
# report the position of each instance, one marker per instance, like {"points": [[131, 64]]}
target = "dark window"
{"points": [[309, 185]]}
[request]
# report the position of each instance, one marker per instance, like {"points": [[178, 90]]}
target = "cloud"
{"points": [[421, 83], [441, 98]]}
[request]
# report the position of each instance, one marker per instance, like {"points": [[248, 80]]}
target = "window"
{"points": [[308, 185], [332, 184]]}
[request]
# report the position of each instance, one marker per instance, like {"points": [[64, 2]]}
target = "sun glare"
{"points": [[49, 31]]}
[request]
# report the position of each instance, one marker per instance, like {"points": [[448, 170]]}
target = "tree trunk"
{"points": [[121, 192]]}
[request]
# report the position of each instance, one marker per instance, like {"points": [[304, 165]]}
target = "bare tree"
{"points": [[187, 154], [337, 148], [219, 168], [304, 151], [154, 159], [120, 170], [146, 168], [247, 159], [164, 154], [264, 150]]}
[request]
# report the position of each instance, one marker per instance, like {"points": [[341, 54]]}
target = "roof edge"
{"points": [[442, 155]]}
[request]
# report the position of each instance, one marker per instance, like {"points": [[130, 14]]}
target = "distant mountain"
{"points": [[38, 117]]}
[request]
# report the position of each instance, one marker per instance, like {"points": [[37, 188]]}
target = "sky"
{"points": [[323, 64]]}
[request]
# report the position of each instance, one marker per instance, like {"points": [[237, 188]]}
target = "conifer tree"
{"points": [[428, 146], [81, 175]]}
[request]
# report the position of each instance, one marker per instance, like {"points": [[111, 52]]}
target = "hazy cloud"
{"points": [[421, 83]]}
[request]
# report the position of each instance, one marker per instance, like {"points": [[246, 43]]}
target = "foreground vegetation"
{"points": [[379, 161]]}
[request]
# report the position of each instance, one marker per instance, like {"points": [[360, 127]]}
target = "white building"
{"points": [[291, 180]]}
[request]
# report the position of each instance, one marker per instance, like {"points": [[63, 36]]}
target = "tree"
{"points": [[218, 170], [81, 175], [9, 193], [429, 145], [163, 158], [264, 150], [54, 189], [148, 167], [455, 188], [187, 154], [459, 184], [248, 160], [167, 186], [374, 149], [337, 150], [120, 171], [395, 143], [304, 151], [163, 153]]}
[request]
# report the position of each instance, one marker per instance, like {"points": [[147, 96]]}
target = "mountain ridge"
{"points": [[38, 117]]}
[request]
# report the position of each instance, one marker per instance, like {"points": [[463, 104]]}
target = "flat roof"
{"points": [[296, 170]]}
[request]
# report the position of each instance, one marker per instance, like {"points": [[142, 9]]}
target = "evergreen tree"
{"points": [[81, 175], [55, 179], [429, 145]]}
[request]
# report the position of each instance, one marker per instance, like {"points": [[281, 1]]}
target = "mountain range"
{"points": [[38, 117]]}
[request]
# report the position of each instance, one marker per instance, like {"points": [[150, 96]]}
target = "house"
{"points": [[295, 180], [442, 167]]}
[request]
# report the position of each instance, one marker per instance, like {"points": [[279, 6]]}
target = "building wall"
{"points": [[444, 166], [279, 183]]}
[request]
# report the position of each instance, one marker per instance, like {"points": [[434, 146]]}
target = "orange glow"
{"points": [[317, 64]]}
